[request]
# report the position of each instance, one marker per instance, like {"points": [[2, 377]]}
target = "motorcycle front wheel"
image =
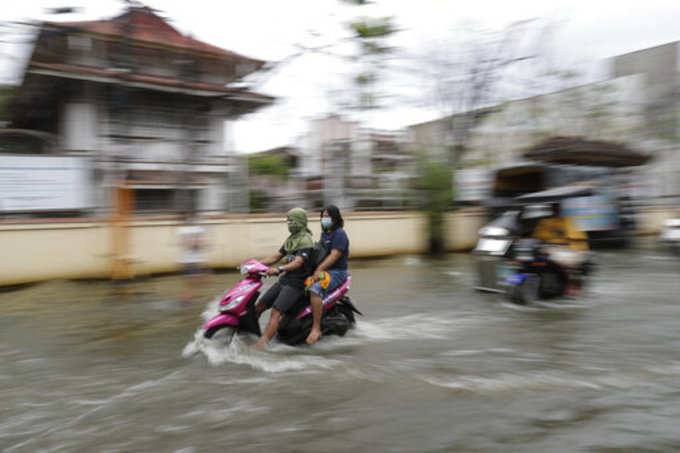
{"points": [[525, 292], [223, 334], [675, 249]]}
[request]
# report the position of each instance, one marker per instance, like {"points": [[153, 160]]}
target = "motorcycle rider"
{"points": [[281, 297], [568, 245], [335, 240]]}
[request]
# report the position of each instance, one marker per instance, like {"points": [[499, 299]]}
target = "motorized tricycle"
{"points": [[510, 261]]}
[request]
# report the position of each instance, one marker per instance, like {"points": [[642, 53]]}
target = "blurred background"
{"points": [[149, 111], [348, 103], [135, 136]]}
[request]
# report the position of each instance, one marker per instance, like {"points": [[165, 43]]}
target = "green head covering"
{"points": [[301, 236]]}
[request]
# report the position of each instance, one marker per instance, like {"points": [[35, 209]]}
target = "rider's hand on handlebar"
{"points": [[272, 271]]}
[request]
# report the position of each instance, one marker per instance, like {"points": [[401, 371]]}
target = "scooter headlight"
{"points": [[492, 246], [233, 304], [493, 231], [245, 269], [672, 223]]}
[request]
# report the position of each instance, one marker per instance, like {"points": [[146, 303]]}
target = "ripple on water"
{"points": [[540, 381], [434, 326]]}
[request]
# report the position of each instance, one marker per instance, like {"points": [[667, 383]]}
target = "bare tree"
{"points": [[464, 79]]}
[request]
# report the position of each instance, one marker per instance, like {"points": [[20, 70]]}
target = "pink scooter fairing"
{"points": [[237, 310], [234, 303], [331, 299]]}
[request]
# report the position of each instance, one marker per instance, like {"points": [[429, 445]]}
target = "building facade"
{"points": [[610, 110], [659, 70], [355, 168], [145, 105]]}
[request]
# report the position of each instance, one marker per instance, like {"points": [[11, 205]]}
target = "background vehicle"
{"points": [[508, 236], [603, 213], [529, 274], [670, 235]]}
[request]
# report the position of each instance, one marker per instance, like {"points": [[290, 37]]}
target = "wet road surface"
{"points": [[432, 366]]}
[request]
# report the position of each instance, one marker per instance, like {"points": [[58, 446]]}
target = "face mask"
{"points": [[293, 227], [326, 222]]}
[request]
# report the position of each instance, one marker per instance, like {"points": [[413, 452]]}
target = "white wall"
{"points": [[504, 135], [217, 136], [211, 199], [78, 128]]}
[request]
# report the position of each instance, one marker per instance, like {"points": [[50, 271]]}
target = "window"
{"points": [[79, 43], [165, 201]]}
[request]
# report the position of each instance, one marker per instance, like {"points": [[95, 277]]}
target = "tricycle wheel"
{"points": [[525, 292], [553, 283]]}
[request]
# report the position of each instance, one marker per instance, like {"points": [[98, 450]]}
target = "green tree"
{"points": [[371, 35], [258, 200], [268, 165], [435, 185], [464, 77]]}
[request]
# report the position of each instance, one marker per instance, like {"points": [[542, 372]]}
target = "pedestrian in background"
{"points": [[191, 239]]}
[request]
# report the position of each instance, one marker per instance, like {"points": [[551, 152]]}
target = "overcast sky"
{"points": [[307, 86]]}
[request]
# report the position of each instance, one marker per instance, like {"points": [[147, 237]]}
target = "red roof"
{"points": [[142, 24], [579, 151], [68, 69]]}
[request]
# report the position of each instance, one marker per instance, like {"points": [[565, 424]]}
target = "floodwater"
{"points": [[431, 367]]}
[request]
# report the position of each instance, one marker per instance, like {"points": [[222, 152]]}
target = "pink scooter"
{"points": [[237, 310]]}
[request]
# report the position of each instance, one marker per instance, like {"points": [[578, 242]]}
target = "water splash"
{"points": [[211, 308], [282, 358], [276, 359]]}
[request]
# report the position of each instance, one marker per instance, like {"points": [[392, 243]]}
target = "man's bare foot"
{"points": [[259, 345], [313, 336]]}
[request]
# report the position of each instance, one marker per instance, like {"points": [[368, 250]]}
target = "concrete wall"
{"points": [[42, 251], [462, 229], [650, 221], [45, 251]]}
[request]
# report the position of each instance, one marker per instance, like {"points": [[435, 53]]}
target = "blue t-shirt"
{"points": [[337, 239]]}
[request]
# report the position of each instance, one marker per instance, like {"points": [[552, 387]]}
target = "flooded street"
{"points": [[432, 366]]}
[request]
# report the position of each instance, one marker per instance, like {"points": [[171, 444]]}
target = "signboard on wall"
{"points": [[594, 213], [38, 183]]}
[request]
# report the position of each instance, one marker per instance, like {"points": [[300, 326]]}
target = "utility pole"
{"points": [[122, 205]]}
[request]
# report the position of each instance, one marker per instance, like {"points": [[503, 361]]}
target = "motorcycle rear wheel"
{"points": [[220, 333], [553, 284]]}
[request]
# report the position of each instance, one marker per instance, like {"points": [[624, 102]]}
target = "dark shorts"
{"points": [[281, 297]]}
